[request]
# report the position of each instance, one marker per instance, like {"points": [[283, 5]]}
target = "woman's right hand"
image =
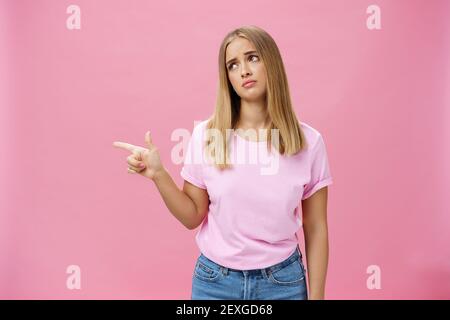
{"points": [[145, 161]]}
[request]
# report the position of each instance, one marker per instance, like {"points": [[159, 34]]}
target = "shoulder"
{"points": [[200, 125], [198, 132], [312, 135]]}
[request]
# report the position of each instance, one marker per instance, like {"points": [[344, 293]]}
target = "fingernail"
{"points": [[141, 165]]}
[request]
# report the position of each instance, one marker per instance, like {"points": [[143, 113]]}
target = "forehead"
{"points": [[238, 46]]}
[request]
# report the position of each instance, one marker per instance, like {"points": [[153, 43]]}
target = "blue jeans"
{"points": [[282, 281]]}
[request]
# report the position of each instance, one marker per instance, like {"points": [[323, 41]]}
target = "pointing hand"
{"points": [[145, 161]]}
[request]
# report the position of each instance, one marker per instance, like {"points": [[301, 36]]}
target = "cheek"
{"points": [[261, 72], [262, 77], [234, 81]]}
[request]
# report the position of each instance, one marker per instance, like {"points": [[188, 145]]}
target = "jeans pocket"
{"points": [[291, 274], [206, 271]]}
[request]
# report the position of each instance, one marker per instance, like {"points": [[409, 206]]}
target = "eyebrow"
{"points": [[246, 53]]}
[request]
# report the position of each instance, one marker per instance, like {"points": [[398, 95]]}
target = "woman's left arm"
{"points": [[315, 229]]}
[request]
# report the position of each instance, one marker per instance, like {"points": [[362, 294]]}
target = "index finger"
{"points": [[124, 145]]}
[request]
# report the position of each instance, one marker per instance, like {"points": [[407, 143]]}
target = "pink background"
{"points": [[380, 98]]}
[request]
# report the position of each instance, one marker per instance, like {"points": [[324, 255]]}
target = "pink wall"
{"points": [[380, 98]]}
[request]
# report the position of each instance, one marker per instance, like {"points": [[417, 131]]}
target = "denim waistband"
{"points": [[296, 255]]}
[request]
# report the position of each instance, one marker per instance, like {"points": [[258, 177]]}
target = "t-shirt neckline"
{"points": [[256, 142]]}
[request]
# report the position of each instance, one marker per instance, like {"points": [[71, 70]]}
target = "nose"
{"points": [[244, 72]]}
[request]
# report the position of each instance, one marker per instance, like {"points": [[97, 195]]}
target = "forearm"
{"points": [[316, 246], [179, 204]]}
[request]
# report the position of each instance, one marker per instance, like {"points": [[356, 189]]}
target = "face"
{"points": [[243, 63]]}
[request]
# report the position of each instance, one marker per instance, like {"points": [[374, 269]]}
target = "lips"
{"points": [[248, 82]]}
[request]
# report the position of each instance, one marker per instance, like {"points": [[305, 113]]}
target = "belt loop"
{"points": [[265, 272], [225, 270], [299, 252]]}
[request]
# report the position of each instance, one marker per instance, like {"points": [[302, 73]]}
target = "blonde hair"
{"points": [[279, 106]]}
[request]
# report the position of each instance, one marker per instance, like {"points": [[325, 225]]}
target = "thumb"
{"points": [[148, 140]]}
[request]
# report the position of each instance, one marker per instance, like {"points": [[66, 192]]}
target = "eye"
{"points": [[254, 56], [230, 66], [250, 57]]}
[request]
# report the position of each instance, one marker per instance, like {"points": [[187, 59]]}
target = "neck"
{"points": [[253, 115]]}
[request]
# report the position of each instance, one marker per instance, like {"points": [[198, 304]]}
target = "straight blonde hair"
{"points": [[227, 109]]}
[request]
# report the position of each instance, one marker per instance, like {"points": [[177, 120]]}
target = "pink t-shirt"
{"points": [[254, 211]]}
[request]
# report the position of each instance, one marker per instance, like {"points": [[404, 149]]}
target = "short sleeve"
{"points": [[192, 170], [320, 169]]}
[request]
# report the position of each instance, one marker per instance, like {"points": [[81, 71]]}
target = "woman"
{"points": [[248, 212]]}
